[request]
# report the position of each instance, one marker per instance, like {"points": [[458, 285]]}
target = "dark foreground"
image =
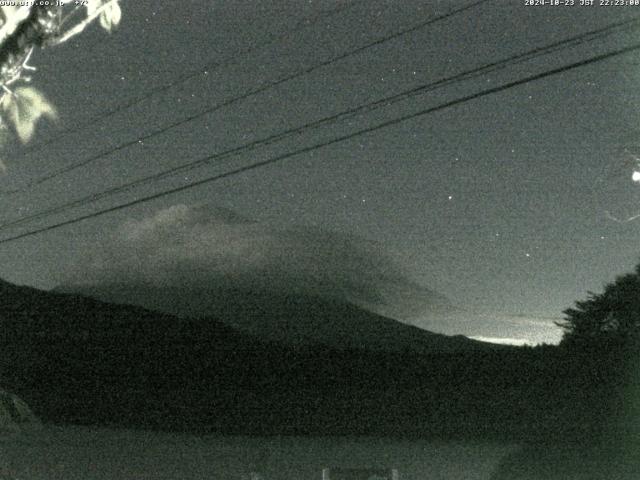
{"points": [[104, 454], [85, 453], [76, 361]]}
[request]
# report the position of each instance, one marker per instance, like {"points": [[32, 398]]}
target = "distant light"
{"points": [[635, 176], [502, 340]]}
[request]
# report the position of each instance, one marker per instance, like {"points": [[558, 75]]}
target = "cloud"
{"points": [[187, 248], [502, 340], [532, 320], [480, 324], [537, 329], [178, 257]]}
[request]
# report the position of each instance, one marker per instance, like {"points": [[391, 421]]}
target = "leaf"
{"points": [[110, 14], [92, 6], [10, 18], [23, 110]]}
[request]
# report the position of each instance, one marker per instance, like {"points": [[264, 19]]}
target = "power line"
{"points": [[212, 65], [367, 107], [333, 141], [245, 95]]}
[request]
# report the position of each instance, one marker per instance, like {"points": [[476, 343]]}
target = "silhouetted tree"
{"points": [[609, 320], [602, 343], [597, 433]]}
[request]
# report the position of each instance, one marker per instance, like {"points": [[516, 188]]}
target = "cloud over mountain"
{"points": [[189, 249]]}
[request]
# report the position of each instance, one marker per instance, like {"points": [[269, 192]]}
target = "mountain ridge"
{"points": [[292, 319], [78, 360]]}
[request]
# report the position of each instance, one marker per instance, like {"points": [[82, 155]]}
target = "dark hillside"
{"points": [[79, 360]]}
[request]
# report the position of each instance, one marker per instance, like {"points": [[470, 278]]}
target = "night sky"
{"points": [[513, 205]]}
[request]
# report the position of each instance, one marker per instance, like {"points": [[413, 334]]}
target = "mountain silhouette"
{"points": [[285, 365], [293, 318]]}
